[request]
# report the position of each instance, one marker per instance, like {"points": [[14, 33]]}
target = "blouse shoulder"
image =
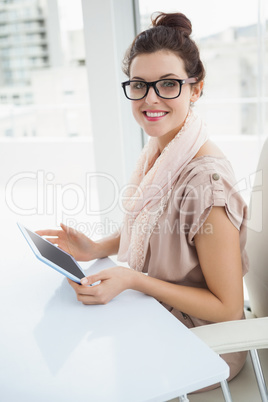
{"points": [[209, 181], [206, 168]]}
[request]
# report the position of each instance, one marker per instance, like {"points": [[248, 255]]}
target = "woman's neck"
{"points": [[167, 138], [164, 140]]}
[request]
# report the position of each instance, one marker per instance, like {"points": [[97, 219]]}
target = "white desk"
{"points": [[53, 348]]}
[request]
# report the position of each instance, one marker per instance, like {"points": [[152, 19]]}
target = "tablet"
{"points": [[53, 255]]}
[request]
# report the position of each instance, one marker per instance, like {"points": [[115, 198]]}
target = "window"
{"points": [[43, 59]]}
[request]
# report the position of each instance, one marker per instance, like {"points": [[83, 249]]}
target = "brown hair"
{"points": [[168, 32]]}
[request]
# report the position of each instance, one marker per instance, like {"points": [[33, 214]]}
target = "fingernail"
{"points": [[84, 281]]}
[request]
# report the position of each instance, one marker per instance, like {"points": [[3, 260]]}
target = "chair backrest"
{"points": [[257, 239]]}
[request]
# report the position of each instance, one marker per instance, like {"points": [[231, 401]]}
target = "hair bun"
{"points": [[174, 20]]}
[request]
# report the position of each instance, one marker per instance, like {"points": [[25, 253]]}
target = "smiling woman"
{"points": [[157, 54], [184, 223], [168, 111]]}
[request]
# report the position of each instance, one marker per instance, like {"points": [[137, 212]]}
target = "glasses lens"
{"points": [[168, 88], [136, 89]]}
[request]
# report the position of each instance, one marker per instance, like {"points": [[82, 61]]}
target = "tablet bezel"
{"points": [[44, 259]]}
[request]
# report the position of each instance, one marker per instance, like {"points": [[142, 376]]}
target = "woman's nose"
{"points": [[151, 97]]}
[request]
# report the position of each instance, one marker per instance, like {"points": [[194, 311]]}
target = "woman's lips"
{"points": [[154, 115]]}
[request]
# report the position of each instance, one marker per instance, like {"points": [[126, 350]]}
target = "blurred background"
{"points": [[68, 142]]}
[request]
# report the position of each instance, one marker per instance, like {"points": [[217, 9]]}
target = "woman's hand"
{"points": [[112, 282], [73, 242]]}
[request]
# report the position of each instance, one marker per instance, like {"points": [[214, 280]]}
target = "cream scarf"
{"points": [[151, 185]]}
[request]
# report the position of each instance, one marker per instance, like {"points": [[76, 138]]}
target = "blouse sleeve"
{"points": [[208, 188]]}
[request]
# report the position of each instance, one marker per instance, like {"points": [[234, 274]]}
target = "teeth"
{"points": [[155, 114]]}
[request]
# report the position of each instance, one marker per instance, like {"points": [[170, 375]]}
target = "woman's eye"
{"points": [[168, 83], [138, 85]]}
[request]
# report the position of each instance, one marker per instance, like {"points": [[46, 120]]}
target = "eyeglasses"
{"points": [[165, 88]]}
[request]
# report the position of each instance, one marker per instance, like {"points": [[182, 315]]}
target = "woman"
{"points": [[184, 221]]}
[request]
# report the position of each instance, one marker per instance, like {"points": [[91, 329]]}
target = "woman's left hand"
{"points": [[112, 282]]}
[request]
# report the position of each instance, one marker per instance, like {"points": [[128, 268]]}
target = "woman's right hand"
{"points": [[73, 242]]}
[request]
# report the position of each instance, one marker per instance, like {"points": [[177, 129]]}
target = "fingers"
{"points": [[54, 232], [48, 232], [88, 294], [68, 229], [60, 233], [92, 279], [65, 228], [106, 285], [87, 283], [53, 236]]}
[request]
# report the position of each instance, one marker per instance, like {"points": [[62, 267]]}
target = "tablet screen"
{"points": [[55, 255]]}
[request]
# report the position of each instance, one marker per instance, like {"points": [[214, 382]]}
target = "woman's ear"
{"points": [[196, 91]]}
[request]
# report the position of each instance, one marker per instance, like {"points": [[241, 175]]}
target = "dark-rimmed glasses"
{"points": [[166, 88]]}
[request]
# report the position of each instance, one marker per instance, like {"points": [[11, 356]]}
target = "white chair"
{"points": [[250, 334]]}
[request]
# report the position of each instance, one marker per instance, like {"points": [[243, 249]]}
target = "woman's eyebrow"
{"points": [[162, 76], [138, 78], [168, 75]]}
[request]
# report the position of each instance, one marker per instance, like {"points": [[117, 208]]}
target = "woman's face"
{"points": [[171, 113]]}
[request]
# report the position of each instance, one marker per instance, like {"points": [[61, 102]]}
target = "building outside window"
{"points": [[42, 58]]}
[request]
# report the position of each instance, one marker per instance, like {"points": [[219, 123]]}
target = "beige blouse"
{"points": [[205, 182]]}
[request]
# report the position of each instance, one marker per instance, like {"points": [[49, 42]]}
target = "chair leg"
{"points": [[226, 391], [259, 375]]}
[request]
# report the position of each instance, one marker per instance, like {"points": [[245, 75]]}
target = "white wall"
{"points": [[243, 153], [46, 182]]}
